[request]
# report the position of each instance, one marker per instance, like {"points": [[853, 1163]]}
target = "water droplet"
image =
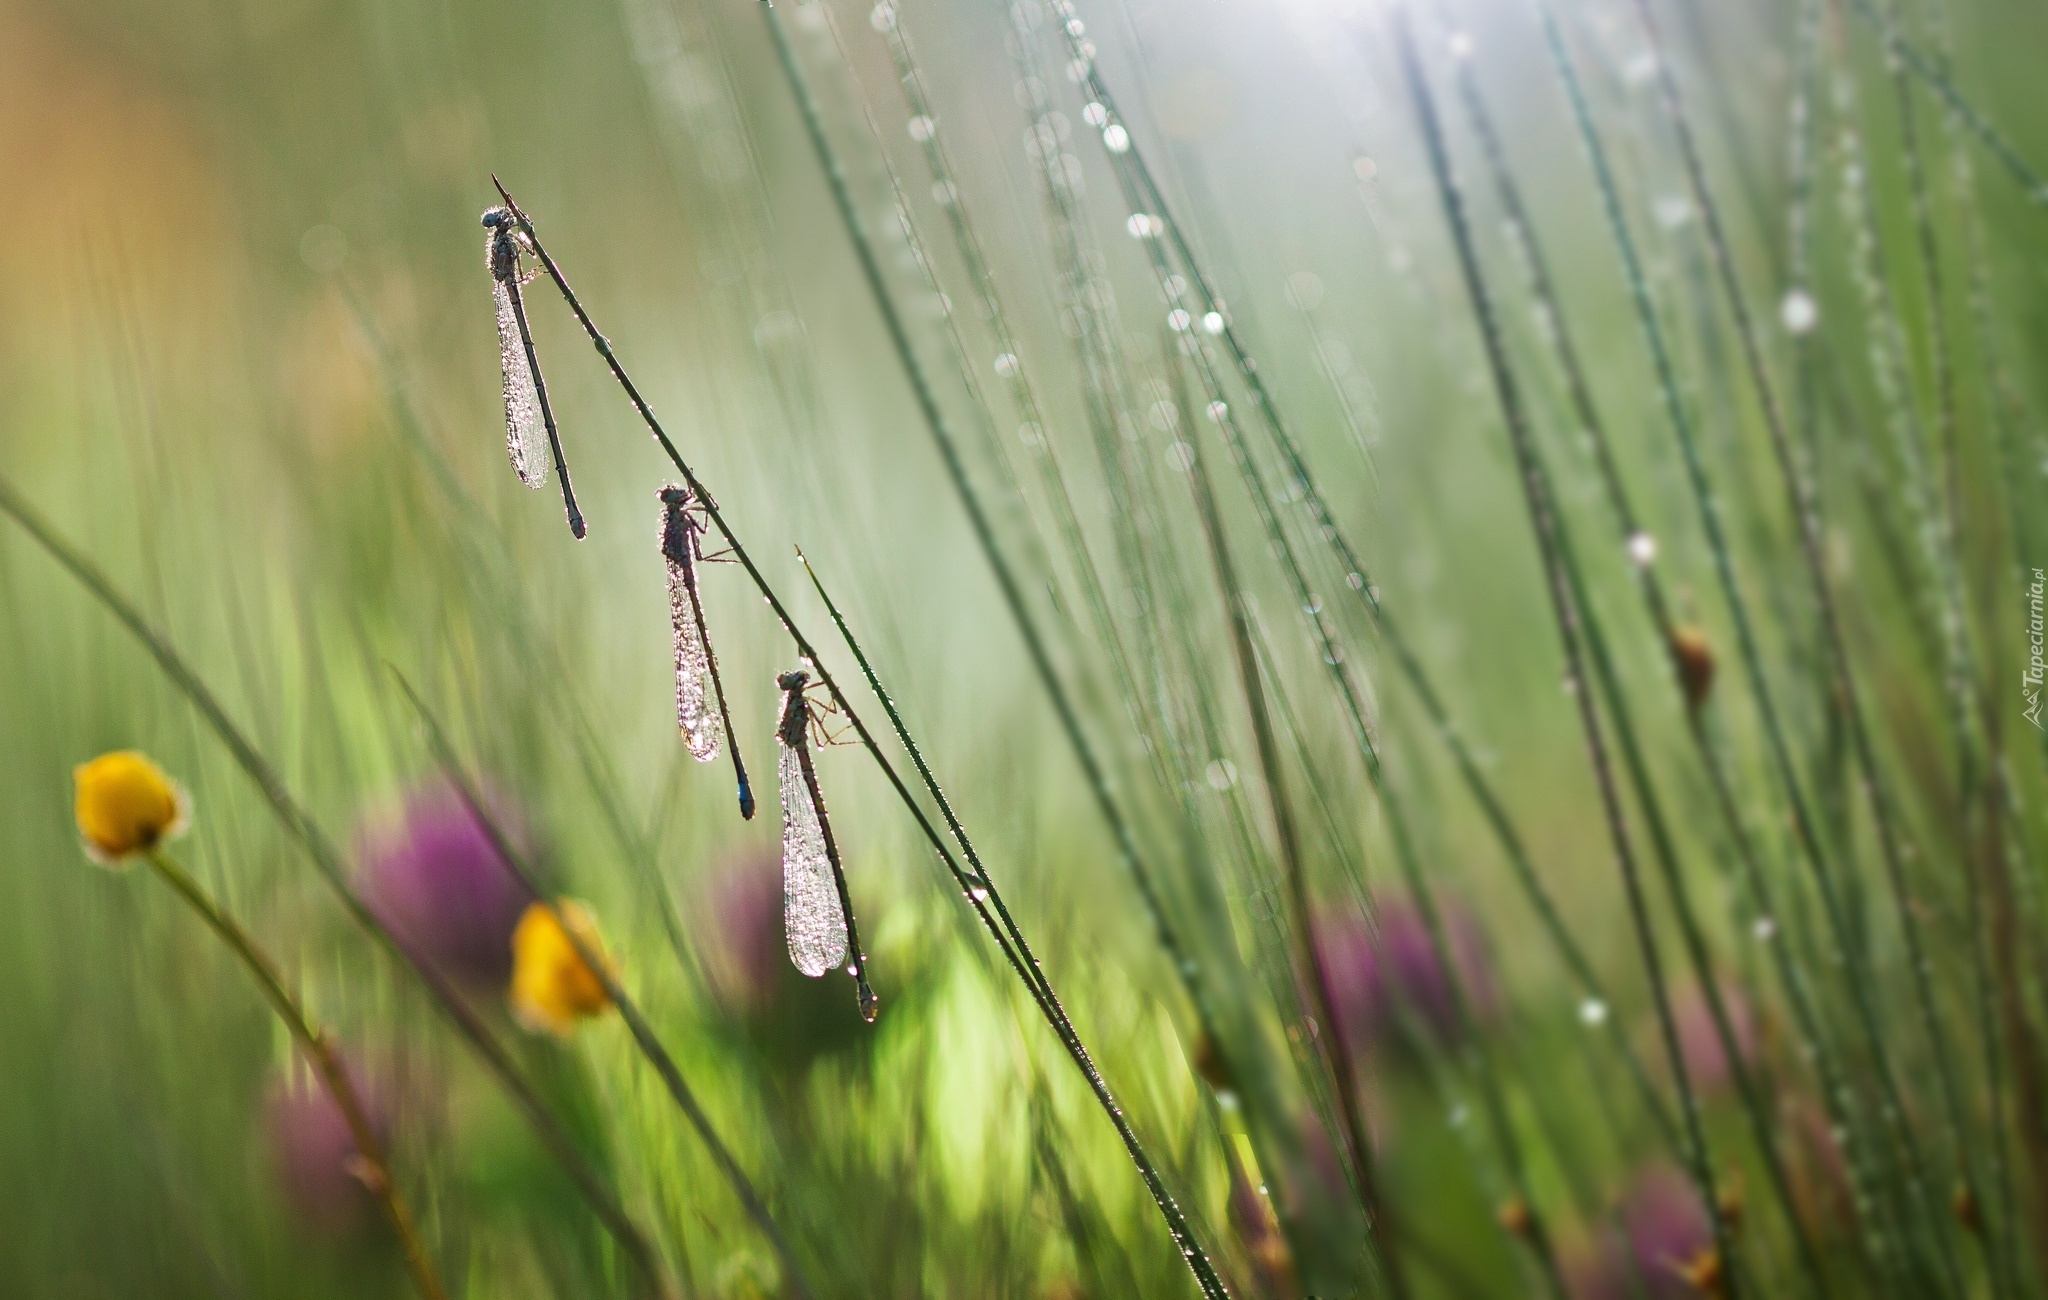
{"points": [[1764, 929], [1143, 225], [1355, 581], [1180, 455], [883, 19], [1095, 114], [1213, 322], [921, 128], [1592, 1012], [1642, 548], [979, 894], [1006, 364], [1165, 416], [1116, 139], [1217, 410], [1221, 774], [1798, 312], [1365, 167], [1672, 211], [1178, 320]]}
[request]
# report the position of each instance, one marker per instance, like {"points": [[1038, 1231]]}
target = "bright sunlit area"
{"points": [[1024, 649]]}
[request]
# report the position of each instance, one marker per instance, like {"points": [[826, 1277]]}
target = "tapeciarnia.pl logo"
{"points": [[2030, 683]]}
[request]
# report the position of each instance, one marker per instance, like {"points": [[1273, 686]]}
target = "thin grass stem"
{"points": [[1843, 681], [1567, 617]]}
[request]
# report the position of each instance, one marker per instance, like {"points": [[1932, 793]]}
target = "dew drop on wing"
{"points": [[522, 402], [694, 715], [811, 917]]}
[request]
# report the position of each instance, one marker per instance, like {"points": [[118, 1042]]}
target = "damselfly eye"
{"points": [[793, 680]]}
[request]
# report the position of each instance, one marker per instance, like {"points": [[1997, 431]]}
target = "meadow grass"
{"points": [[1474, 571]]}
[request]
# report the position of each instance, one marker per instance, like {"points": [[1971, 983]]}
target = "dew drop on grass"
{"points": [[1178, 320], [1116, 139], [1798, 312], [1592, 1013], [1180, 455], [1764, 929], [1642, 548], [1221, 774], [1213, 322], [1006, 364], [1095, 114], [921, 128], [883, 18]]}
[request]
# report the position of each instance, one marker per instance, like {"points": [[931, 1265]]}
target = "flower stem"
{"points": [[375, 1167]]}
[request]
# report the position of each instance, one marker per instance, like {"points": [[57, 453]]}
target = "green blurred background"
{"points": [[246, 362]]}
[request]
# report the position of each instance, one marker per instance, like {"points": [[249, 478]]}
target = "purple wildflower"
{"points": [[1369, 972], [1663, 1238], [444, 890], [750, 954], [1706, 1063], [315, 1156], [791, 1019]]}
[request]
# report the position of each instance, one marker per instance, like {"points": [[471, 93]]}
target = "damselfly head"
{"points": [[674, 495], [496, 217], [793, 680]]}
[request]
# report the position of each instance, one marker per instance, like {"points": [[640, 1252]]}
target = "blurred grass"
{"points": [[244, 360]]}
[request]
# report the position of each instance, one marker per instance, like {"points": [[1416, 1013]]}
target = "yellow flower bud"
{"points": [[552, 988], [126, 805]]}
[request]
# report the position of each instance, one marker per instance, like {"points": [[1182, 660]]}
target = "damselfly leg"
{"points": [[682, 546], [526, 392], [817, 910]]}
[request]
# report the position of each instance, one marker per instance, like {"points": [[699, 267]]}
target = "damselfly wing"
{"points": [[523, 433], [811, 915], [817, 913], [686, 615]]}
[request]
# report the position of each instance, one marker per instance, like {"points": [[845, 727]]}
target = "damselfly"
{"points": [[526, 393], [682, 545], [817, 912]]}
